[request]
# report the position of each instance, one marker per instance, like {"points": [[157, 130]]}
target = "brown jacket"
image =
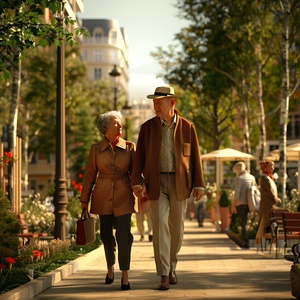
{"points": [[188, 164], [107, 178], [269, 197]]}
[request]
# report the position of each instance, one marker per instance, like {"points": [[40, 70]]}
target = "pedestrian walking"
{"points": [[106, 185], [269, 199], [167, 168], [243, 181], [142, 216]]}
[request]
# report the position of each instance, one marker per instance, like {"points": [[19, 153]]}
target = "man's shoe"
{"points": [[172, 278], [164, 284]]}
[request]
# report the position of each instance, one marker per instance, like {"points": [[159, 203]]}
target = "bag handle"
{"points": [[85, 214]]}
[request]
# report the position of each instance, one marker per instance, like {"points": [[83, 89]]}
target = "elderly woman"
{"points": [[107, 185], [269, 198]]}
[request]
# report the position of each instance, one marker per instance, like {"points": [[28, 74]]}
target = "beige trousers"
{"points": [[167, 216]]}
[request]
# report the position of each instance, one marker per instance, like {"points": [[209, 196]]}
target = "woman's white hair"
{"points": [[239, 167], [104, 120]]}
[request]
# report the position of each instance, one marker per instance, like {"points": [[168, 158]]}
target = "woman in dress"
{"points": [[269, 198]]}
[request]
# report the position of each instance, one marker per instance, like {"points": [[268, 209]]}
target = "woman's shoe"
{"points": [[109, 280], [125, 287]]}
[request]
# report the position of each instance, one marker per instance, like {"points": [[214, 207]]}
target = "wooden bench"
{"points": [[277, 233], [25, 234], [277, 230], [291, 227]]}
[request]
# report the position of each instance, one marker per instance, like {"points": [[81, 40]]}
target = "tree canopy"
{"points": [[22, 27]]}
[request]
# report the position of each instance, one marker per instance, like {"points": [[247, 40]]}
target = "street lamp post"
{"points": [[126, 108], [115, 73], [60, 193]]}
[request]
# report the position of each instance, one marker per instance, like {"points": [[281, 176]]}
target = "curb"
{"points": [[35, 287]]}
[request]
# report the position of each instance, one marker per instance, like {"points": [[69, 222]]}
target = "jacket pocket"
{"points": [[186, 149]]}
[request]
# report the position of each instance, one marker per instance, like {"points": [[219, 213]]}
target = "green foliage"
{"points": [[217, 61], [9, 228], [224, 199], [22, 27]]}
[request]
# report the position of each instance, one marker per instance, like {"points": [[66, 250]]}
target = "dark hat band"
{"points": [[162, 94]]}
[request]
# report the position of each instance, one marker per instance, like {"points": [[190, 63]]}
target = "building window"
{"points": [[98, 37], [97, 73], [114, 57], [114, 37], [97, 55], [84, 55], [293, 127]]}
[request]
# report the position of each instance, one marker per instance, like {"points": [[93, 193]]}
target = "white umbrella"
{"points": [[292, 154], [226, 154]]}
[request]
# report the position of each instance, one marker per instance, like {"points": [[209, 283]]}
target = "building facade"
{"points": [[106, 47]]}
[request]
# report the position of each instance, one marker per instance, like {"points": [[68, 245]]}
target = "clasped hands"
{"points": [[140, 191]]}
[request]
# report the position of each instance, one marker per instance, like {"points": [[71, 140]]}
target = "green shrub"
{"points": [[9, 228]]}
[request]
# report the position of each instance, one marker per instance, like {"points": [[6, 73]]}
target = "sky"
{"points": [[149, 24]]}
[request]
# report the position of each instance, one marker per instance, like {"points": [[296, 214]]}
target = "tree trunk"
{"points": [[284, 104], [261, 112], [13, 121]]}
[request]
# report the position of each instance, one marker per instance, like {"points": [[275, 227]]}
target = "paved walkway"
{"points": [[210, 266]]}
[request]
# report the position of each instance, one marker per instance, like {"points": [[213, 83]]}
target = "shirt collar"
{"points": [[174, 119], [105, 144]]}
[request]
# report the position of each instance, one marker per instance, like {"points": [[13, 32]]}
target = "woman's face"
{"points": [[114, 129]]}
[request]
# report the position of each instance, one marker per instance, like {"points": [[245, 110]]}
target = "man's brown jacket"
{"points": [[188, 164]]}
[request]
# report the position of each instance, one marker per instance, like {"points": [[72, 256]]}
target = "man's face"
{"points": [[162, 107]]}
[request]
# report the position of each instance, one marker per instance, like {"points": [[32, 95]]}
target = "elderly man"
{"points": [[167, 167]]}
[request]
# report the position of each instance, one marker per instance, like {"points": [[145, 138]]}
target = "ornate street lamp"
{"points": [[60, 194], [126, 113], [115, 73]]}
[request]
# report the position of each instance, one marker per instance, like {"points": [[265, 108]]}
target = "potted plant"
{"points": [[224, 204]]}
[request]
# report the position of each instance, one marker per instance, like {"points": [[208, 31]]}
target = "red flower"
{"points": [[2, 266], [10, 260], [80, 175], [37, 253], [8, 155]]}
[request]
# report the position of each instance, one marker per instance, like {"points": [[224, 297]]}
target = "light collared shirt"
{"points": [[167, 154]]}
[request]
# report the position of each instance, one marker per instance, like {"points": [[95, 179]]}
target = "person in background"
{"points": [[106, 185], [190, 208], [200, 208], [142, 215], [167, 168], [243, 181], [269, 199]]}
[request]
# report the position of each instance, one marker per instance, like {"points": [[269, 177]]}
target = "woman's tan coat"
{"points": [[269, 197], [188, 165], [107, 178]]}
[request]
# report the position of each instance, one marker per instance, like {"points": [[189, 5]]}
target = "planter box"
{"points": [[36, 286]]}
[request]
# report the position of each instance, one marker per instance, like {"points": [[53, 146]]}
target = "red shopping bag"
{"points": [[85, 232]]}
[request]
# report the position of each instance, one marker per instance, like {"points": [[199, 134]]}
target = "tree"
{"points": [[21, 28], [203, 48], [287, 16]]}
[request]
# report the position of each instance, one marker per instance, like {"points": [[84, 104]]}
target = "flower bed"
{"points": [[38, 259]]}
